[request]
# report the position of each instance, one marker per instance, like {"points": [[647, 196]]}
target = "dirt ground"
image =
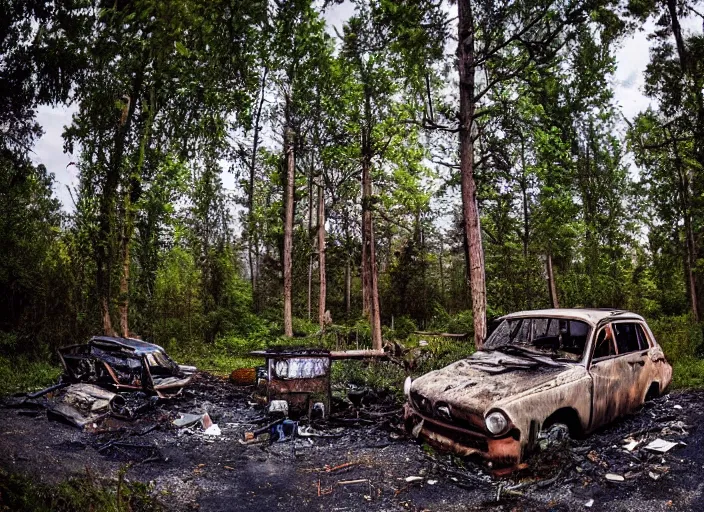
{"points": [[365, 464]]}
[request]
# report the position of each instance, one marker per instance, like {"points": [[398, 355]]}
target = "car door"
{"points": [[605, 369], [632, 347], [620, 370]]}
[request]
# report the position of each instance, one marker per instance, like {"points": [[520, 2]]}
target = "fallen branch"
{"points": [[351, 482]]}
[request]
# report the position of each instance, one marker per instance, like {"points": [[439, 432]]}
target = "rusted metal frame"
{"points": [[118, 384], [279, 388]]}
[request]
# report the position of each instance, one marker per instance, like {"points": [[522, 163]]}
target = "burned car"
{"points": [[124, 364], [567, 369]]}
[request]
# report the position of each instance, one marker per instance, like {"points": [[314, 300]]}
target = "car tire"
{"points": [[553, 436]]}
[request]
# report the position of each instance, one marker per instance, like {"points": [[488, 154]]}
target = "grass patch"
{"points": [[21, 493], [23, 374], [681, 340]]}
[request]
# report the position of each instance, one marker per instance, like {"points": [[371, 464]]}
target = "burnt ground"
{"points": [[365, 465]]}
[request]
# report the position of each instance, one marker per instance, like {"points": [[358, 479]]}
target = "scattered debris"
{"points": [[589, 503], [187, 420], [611, 477], [410, 479], [212, 430], [661, 446], [631, 445], [244, 376], [278, 407], [352, 482]]}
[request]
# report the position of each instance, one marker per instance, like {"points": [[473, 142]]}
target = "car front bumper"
{"points": [[505, 450]]}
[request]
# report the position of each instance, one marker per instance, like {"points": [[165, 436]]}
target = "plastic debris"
{"points": [[283, 431], [278, 406], [411, 479], [660, 445], [631, 445], [187, 420], [677, 406], [213, 430], [432, 482], [654, 476], [612, 477], [589, 503]]}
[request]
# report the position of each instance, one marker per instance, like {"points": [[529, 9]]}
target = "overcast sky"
{"points": [[632, 58]]}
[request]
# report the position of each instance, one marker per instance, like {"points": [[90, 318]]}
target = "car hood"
{"points": [[471, 386]]}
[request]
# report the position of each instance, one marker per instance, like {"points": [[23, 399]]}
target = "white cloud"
{"points": [[49, 150]]}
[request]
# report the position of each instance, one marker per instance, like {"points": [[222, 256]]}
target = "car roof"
{"points": [[592, 316], [139, 346]]}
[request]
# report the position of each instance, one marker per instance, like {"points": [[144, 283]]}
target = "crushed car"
{"points": [[538, 372], [124, 364]]}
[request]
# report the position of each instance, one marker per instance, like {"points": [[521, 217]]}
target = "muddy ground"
{"points": [[364, 466]]}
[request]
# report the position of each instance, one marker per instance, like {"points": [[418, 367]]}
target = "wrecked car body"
{"points": [[539, 369], [124, 364], [84, 404]]}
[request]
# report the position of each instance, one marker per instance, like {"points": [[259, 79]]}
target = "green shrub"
{"points": [[303, 327], [21, 373], [21, 493], [462, 323], [403, 327]]}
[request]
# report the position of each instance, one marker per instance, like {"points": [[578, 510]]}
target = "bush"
{"points": [[21, 373], [462, 323], [403, 327], [303, 327], [683, 344]]}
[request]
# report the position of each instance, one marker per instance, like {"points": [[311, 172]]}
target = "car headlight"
{"points": [[496, 423], [407, 387]]}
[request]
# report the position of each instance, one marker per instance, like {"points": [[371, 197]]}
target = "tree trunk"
{"points": [[252, 242], [106, 221], [321, 257], [690, 249], [310, 238], [365, 272], [552, 289], [470, 208], [124, 305], [288, 230], [442, 274], [688, 67], [369, 264], [132, 196], [348, 289]]}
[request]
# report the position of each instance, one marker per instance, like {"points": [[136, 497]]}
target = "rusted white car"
{"points": [[558, 368]]}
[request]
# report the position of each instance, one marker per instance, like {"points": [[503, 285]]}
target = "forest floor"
{"points": [[366, 465]]}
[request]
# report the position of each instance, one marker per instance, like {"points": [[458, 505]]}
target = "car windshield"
{"points": [[559, 338]]}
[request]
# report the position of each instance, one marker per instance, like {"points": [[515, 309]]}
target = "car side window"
{"points": [[604, 346], [627, 337], [642, 337]]}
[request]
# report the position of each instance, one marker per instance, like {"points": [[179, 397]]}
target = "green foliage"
{"points": [[403, 327], [20, 373], [461, 323], [82, 494]]}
